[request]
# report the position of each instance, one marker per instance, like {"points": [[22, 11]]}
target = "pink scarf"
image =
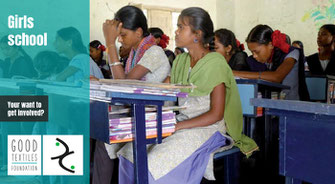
{"points": [[135, 57]]}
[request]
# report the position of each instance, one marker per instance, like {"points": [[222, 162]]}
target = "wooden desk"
{"points": [[306, 139]]}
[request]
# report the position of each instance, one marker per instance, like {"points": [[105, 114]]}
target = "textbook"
{"points": [[166, 115], [121, 128], [135, 87]]}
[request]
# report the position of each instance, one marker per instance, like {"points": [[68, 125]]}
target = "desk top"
{"points": [[262, 82], [298, 106]]}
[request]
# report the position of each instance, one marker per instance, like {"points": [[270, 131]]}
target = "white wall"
{"points": [[225, 14], [240, 16], [100, 10], [285, 15]]}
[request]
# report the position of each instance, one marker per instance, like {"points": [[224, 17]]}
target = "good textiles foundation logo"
{"points": [[24, 155], [62, 155]]}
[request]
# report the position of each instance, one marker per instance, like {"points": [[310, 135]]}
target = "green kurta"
{"points": [[209, 72]]}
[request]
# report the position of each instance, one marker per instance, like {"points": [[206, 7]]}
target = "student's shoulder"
{"points": [[313, 56], [155, 50], [294, 52], [241, 55]]}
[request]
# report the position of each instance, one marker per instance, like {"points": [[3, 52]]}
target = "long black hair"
{"points": [[71, 33], [132, 18], [301, 45], [199, 19], [226, 38], [298, 42]]}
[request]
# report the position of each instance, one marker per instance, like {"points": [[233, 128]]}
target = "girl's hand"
{"points": [[111, 29]]}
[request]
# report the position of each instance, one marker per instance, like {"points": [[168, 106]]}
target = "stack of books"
{"points": [[99, 88], [121, 128]]}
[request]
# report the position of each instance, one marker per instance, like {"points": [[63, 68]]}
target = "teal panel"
{"points": [[247, 91], [316, 87], [43, 52]]}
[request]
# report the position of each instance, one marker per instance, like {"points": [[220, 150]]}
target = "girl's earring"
{"points": [[195, 40]]}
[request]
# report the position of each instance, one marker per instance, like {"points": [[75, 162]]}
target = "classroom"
{"points": [[170, 92], [237, 18]]}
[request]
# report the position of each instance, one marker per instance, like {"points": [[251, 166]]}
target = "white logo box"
{"points": [[24, 155]]}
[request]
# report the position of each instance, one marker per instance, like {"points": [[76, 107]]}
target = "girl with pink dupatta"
{"points": [[146, 61]]}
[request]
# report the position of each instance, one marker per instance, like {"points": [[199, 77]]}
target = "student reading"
{"points": [[273, 59]]}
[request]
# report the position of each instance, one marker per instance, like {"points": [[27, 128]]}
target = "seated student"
{"points": [[274, 60], [69, 42], [146, 61], [323, 62], [97, 53], [213, 110], [227, 45], [17, 61], [162, 40], [49, 64]]}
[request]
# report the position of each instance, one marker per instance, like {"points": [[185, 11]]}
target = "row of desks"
{"points": [[99, 116]]}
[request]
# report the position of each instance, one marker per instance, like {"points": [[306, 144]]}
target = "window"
{"points": [[163, 17]]}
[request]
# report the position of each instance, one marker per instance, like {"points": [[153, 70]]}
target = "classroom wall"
{"points": [[300, 19], [225, 13], [103, 9]]}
